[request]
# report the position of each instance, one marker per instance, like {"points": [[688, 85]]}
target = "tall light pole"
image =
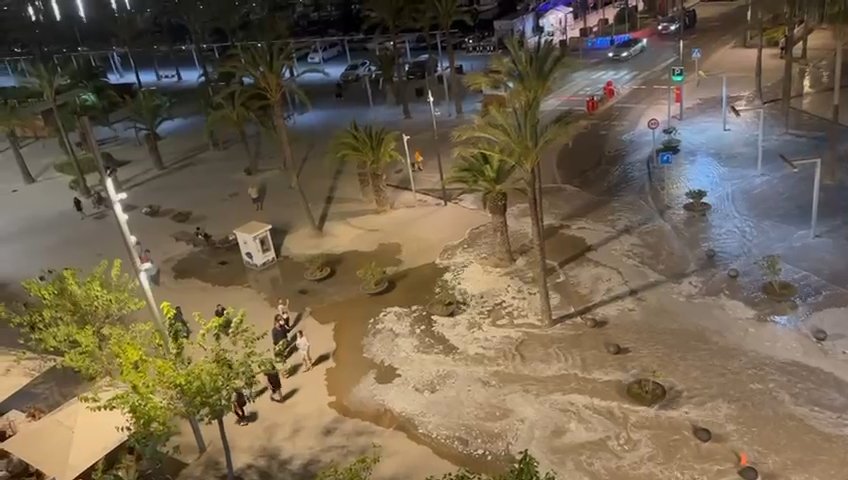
{"points": [[409, 166], [793, 164], [121, 217], [436, 144]]}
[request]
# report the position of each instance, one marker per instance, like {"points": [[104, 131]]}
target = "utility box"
{"points": [[257, 249]]}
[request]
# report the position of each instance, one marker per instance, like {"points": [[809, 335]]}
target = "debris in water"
{"points": [[613, 348], [702, 434], [749, 473], [590, 322], [223, 262], [710, 253], [820, 334], [733, 273]]}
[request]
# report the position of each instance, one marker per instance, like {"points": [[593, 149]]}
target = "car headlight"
{"points": [[609, 54], [625, 54]]}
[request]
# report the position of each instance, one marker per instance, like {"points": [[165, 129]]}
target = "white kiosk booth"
{"points": [[556, 23], [254, 240]]}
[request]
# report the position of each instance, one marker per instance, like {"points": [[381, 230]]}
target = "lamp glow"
{"points": [[81, 10], [56, 12]]}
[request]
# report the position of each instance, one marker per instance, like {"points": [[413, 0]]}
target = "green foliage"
{"points": [[148, 110], [47, 79], [771, 268], [68, 314], [231, 108], [12, 117], [697, 195], [367, 145], [359, 469], [178, 331], [316, 262], [87, 164], [371, 274], [484, 174]]}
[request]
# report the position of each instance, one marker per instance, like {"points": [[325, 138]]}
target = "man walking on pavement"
{"points": [[78, 208], [419, 162]]}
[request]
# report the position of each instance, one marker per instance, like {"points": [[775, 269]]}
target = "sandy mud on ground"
{"points": [[490, 381]]}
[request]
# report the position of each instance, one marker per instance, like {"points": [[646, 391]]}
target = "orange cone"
{"points": [[743, 459]]}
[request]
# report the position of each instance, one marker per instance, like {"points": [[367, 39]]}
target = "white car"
{"points": [[324, 51], [356, 70]]}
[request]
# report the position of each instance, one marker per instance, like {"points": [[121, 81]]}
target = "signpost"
{"points": [[696, 55], [653, 124], [677, 74], [665, 159]]}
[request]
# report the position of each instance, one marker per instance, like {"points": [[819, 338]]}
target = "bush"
{"points": [[371, 274], [696, 195], [316, 262], [86, 163], [771, 269]]}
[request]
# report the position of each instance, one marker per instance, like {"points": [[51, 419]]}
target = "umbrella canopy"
{"points": [[69, 440]]}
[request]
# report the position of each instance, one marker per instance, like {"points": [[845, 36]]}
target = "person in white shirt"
{"points": [[283, 308], [302, 345]]}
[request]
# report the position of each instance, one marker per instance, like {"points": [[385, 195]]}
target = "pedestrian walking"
{"points": [[283, 309], [202, 235], [220, 311], [275, 385], [255, 195], [177, 326], [339, 90], [302, 344], [280, 337], [783, 46], [239, 402], [419, 162], [78, 207]]}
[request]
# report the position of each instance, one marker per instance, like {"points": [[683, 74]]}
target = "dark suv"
{"points": [[671, 23]]}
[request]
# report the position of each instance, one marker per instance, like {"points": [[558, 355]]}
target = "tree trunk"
{"points": [[173, 59], [804, 32], [789, 21], [454, 78], [83, 185], [135, 69], [153, 150], [252, 160], [198, 435], [496, 204], [539, 244], [837, 71], [758, 67], [225, 445], [288, 164], [364, 179], [401, 81], [26, 175], [378, 185]]}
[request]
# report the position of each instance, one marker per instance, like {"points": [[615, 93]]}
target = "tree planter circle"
{"points": [[671, 143], [612, 348], [375, 288], [781, 290], [699, 207], [733, 273], [820, 334], [318, 274], [151, 210], [749, 473], [710, 253], [441, 309], [702, 434], [646, 392], [591, 322]]}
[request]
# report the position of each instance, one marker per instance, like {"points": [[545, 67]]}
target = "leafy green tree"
{"points": [[233, 109], [269, 66], [492, 177], [516, 132], [393, 15], [11, 117], [370, 149], [49, 80], [67, 314], [204, 386], [148, 110], [359, 469], [448, 13]]}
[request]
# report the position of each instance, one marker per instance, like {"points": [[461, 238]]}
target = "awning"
{"points": [[68, 441]]}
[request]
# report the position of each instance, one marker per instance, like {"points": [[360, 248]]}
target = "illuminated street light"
{"points": [[436, 144], [793, 164]]}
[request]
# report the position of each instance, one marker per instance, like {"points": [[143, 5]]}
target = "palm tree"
{"points": [[516, 133], [371, 149], [447, 13], [232, 108], [148, 111], [126, 29], [269, 67], [10, 118], [492, 177], [48, 79], [393, 15]]}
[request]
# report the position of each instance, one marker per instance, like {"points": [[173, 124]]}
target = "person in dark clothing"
{"points": [[272, 375], [239, 402], [220, 311], [339, 90], [78, 207], [177, 326], [280, 336]]}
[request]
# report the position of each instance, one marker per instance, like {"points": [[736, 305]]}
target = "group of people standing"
{"points": [[283, 338]]}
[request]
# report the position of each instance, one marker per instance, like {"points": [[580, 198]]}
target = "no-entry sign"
{"points": [[653, 124]]}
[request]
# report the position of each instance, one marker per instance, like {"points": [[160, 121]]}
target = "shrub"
{"points": [[371, 274], [771, 268], [316, 262], [697, 195]]}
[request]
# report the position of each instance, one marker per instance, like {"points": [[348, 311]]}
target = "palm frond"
{"points": [[375, 147]]}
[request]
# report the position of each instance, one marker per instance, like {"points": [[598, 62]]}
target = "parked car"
{"points": [[324, 51], [422, 67], [356, 70], [671, 23], [378, 45], [627, 49]]}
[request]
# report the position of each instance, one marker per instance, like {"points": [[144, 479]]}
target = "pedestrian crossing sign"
{"points": [[696, 53]]}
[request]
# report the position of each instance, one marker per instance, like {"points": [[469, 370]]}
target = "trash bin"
{"points": [[460, 70]]}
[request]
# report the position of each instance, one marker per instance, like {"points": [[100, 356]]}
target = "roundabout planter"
{"points": [[699, 207], [317, 274], [442, 309], [151, 210], [375, 288], [779, 290], [671, 143], [181, 216], [646, 392]]}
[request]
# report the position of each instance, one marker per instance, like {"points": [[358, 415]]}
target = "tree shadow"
{"points": [[267, 464], [49, 390], [331, 193]]}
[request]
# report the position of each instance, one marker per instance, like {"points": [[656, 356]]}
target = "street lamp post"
{"points": [[367, 79], [738, 113], [409, 166], [121, 217], [436, 144], [793, 164]]}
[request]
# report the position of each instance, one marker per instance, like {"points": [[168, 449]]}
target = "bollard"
{"points": [[609, 89]]}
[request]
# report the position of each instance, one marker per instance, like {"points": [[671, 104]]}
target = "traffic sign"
{"points": [[665, 158], [696, 53], [677, 74], [653, 124]]}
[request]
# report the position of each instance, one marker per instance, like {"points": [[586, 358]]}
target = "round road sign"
{"points": [[653, 124]]}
